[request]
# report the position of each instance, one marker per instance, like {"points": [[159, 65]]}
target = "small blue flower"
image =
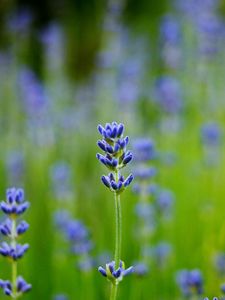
{"points": [[13, 252], [144, 150], [119, 186], [22, 286], [190, 282], [14, 204], [78, 235], [141, 269], [161, 252], [211, 134], [170, 30], [164, 201], [6, 286], [6, 227], [115, 275], [168, 94], [144, 172]]}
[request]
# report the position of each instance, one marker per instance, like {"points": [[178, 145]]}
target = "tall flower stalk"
{"points": [[115, 158], [13, 207]]}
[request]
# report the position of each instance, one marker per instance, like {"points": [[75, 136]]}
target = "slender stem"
{"points": [[14, 263], [118, 240], [113, 292]]}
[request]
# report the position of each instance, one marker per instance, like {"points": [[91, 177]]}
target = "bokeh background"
{"points": [[159, 68]]}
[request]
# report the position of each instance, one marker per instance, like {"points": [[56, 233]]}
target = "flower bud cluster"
{"points": [[13, 207], [14, 204], [190, 282], [115, 275], [21, 286], [76, 233], [115, 156]]}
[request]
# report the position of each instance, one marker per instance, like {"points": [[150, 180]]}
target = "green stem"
{"points": [[113, 292], [118, 238], [14, 263], [118, 241]]}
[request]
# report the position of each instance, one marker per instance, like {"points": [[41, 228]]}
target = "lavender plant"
{"points": [[13, 207], [153, 203], [144, 151], [115, 158]]}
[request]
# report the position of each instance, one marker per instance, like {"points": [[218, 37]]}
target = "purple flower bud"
{"points": [[116, 273], [6, 286], [127, 159], [101, 129], [119, 185], [102, 271], [114, 185], [5, 208], [109, 149], [108, 127], [114, 132], [106, 181], [101, 145], [116, 147], [101, 158], [114, 162], [22, 208], [120, 130], [126, 140], [22, 285], [111, 177], [6, 227], [128, 180], [22, 227], [128, 271]]}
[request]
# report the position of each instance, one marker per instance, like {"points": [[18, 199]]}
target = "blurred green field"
{"points": [[65, 130]]}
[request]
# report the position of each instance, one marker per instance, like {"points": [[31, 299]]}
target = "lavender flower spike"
{"points": [[13, 207], [115, 157]]}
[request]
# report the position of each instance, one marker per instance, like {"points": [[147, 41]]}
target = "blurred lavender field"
{"points": [[159, 69]]}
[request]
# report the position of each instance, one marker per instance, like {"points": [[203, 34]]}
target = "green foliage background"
{"points": [[196, 230]]}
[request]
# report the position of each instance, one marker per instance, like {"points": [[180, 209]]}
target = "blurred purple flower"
{"points": [[169, 94]]}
